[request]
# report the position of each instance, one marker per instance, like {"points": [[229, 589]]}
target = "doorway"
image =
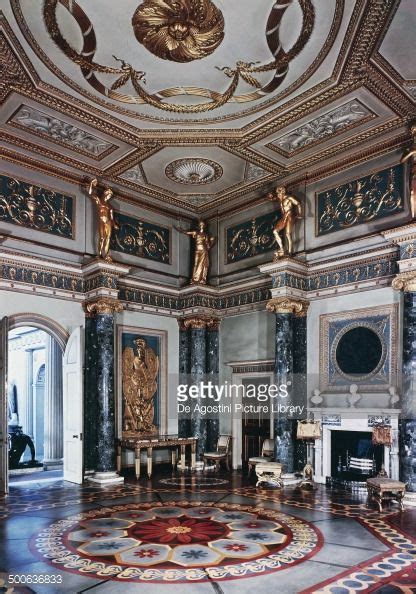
{"points": [[34, 405]]}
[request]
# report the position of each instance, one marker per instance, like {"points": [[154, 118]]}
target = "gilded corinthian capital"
{"points": [[299, 307], [102, 306], [405, 281], [199, 323]]}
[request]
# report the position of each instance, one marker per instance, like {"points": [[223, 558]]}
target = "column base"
{"points": [[106, 478], [53, 464], [409, 499]]}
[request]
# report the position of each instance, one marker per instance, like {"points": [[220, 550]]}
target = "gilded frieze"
{"points": [[250, 238], [34, 207], [140, 238], [363, 200]]}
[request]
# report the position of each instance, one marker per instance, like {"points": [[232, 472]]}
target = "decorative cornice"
{"points": [[405, 281], [102, 306], [288, 305]]}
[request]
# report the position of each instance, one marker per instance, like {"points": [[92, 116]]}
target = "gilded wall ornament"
{"points": [[203, 244], [288, 305], [250, 238], [140, 238], [179, 30], [140, 367], [194, 171], [170, 30], [34, 207], [405, 281], [102, 306], [291, 210], [105, 215], [363, 200]]}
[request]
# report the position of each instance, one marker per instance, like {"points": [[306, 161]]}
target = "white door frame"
{"points": [[4, 436]]}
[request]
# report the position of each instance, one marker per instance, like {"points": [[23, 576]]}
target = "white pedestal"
{"points": [[106, 478]]}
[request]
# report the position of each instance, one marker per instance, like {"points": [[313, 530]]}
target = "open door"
{"points": [[72, 373], [4, 438]]}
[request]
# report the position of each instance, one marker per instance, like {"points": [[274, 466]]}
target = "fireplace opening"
{"points": [[353, 456]]}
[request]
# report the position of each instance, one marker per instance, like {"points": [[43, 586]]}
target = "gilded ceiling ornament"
{"points": [[288, 305], [140, 367], [179, 30], [167, 35], [405, 281], [193, 171]]}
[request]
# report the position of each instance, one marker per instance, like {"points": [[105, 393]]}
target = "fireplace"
{"points": [[353, 456]]}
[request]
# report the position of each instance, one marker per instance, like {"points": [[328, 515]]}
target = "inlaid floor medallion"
{"points": [[185, 542]]}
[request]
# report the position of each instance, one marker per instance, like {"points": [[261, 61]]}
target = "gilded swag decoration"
{"points": [[363, 200], [37, 208]]}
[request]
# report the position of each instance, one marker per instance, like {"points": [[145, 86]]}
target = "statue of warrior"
{"points": [[106, 222], [291, 211]]}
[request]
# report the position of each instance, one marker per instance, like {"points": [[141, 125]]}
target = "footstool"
{"points": [[382, 489], [269, 473]]}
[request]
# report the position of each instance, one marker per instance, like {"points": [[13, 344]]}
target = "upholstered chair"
{"points": [[223, 452], [267, 453]]}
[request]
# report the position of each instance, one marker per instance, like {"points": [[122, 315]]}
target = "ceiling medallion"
{"points": [[194, 172], [170, 41], [181, 31]]}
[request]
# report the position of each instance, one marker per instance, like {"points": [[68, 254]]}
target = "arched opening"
{"points": [[35, 398]]}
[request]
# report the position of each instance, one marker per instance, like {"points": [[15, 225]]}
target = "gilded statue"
{"points": [[411, 154], [291, 210], [140, 366], [106, 222], [203, 244]]}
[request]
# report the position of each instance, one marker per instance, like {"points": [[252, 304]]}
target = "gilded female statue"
{"points": [[203, 243], [106, 222], [140, 366], [411, 155], [291, 210]]}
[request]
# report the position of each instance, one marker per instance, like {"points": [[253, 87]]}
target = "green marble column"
{"points": [[290, 370]]}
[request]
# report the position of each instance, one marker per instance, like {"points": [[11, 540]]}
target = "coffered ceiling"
{"points": [[198, 106]]}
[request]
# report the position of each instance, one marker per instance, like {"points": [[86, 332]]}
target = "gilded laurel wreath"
{"points": [[179, 30]]}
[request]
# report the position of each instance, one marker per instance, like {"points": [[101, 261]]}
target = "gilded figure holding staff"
{"points": [[203, 244]]}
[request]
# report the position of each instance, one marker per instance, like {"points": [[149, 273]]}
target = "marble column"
{"points": [[53, 406], [100, 420], [407, 427], [290, 369], [199, 360]]}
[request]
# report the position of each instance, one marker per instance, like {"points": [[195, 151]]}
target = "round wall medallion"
{"points": [[359, 351], [194, 172], [179, 31]]}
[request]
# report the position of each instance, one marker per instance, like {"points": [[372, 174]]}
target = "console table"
{"points": [[382, 489], [166, 442]]}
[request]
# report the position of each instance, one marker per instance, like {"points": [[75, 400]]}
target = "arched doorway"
{"points": [[35, 404]]}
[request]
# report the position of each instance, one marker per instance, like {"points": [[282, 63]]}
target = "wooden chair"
{"points": [[223, 452], [267, 453]]}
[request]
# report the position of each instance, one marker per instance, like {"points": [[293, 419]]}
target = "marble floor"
{"points": [[202, 534]]}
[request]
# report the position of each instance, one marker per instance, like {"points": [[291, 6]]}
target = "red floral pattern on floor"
{"points": [[179, 530]]}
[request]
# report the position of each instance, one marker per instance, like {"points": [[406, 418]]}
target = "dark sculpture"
{"points": [[17, 445]]}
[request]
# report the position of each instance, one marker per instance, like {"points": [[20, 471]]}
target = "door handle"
{"points": [[75, 436]]}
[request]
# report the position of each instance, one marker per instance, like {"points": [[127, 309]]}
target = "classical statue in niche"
{"points": [[106, 222], [411, 154], [140, 366], [203, 244], [291, 210]]}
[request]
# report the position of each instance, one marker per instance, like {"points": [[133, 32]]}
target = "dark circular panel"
{"points": [[359, 351]]}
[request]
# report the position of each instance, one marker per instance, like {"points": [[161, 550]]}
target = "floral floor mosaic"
{"points": [[227, 538]]}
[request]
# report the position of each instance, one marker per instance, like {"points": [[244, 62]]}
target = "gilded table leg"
{"points": [[137, 462], [149, 461], [183, 460], [193, 455]]}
